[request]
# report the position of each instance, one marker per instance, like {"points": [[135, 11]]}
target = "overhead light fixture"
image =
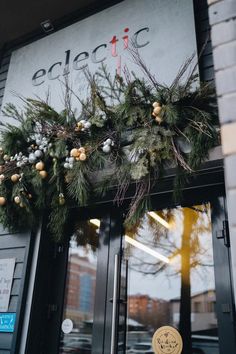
{"points": [[137, 244], [146, 249], [95, 222], [159, 219], [47, 26]]}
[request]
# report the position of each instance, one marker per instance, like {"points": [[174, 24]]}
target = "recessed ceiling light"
{"points": [[95, 222], [147, 249], [159, 219]]}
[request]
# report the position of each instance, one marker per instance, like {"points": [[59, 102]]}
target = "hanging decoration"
{"points": [[136, 127]]}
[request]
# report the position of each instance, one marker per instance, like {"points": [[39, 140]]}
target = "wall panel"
{"points": [[15, 246]]}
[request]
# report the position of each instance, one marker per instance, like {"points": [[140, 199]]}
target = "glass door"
{"points": [[112, 287], [86, 323], [170, 259], [80, 290]]}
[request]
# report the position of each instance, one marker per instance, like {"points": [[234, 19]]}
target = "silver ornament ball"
{"points": [[106, 149], [87, 125], [108, 141], [38, 153], [66, 165], [71, 160]]}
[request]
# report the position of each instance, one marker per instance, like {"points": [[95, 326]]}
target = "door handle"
{"points": [[119, 301], [114, 305], [224, 233]]}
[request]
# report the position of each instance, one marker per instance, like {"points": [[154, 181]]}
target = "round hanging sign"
{"points": [[67, 326], [167, 340]]}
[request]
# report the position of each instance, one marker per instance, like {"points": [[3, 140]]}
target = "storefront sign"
{"points": [[167, 340], [7, 322], [97, 55], [6, 276], [163, 32]]}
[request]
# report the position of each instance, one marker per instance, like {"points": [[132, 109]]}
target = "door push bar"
{"points": [[114, 305]]}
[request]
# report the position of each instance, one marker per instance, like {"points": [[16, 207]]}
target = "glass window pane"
{"points": [[171, 278], [80, 289]]}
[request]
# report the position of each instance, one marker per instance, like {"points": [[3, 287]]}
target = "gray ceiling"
{"points": [[19, 18]]}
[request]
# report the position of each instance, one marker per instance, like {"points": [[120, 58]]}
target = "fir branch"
{"points": [[113, 106], [78, 184], [179, 158], [58, 218]]}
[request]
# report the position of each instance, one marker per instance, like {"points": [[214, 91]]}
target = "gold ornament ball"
{"points": [[6, 157], [82, 157], [21, 205], [30, 196], [74, 152], [39, 166], [156, 104], [43, 174], [158, 120], [61, 199], [2, 201], [81, 150], [157, 110], [15, 178], [17, 199], [2, 177]]}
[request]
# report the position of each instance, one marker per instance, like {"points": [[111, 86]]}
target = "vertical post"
{"points": [[114, 306]]}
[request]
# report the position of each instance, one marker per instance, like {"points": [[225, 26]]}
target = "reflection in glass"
{"points": [[171, 279], [80, 289]]}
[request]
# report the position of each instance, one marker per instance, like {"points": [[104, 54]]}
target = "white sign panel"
{"points": [[67, 326], [163, 31], [7, 267]]}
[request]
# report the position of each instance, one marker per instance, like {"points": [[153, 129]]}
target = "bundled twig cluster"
{"points": [[136, 126]]}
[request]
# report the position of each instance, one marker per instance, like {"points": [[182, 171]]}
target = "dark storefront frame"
{"points": [[207, 186], [210, 181]]}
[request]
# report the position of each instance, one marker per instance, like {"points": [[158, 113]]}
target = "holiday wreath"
{"points": [[135, 126]]}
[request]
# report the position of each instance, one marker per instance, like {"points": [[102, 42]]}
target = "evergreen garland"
{"points": [[136, 127]]}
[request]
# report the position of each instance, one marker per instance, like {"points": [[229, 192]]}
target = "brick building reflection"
{"points": [[153, 313], [150, 312], [80, 290]]}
